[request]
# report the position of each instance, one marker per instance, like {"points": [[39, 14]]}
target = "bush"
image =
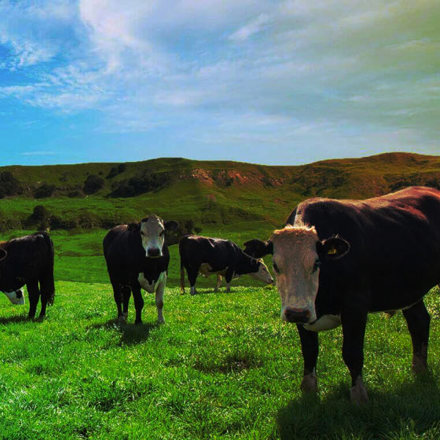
{"points": [[43, 191], [118, 169], [93, 184], [9, 185], [140, 185], [39, 218]]}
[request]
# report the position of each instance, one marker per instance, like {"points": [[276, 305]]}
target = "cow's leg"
{"points": [[34, 295], [117, 295], [44, 298], [219, 282], [138, 303], [192, 277], [309, 348], [126, 292], [228, 278], [417, 319], [159, 300], [353, 329]]}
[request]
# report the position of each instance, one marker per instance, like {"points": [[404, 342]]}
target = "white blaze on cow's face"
{"points": [[296, 263], [263, 273], [16, 297], [153, 236]]}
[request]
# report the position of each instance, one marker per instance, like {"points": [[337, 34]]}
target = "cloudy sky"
{"points": [[279, 82]]}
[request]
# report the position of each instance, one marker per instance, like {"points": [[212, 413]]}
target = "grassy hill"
{"points": [[233, 200], [207, 192]]}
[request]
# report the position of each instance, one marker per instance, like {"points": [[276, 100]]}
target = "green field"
{"points": [[224, 366]]}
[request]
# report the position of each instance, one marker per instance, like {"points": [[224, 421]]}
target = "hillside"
{"points": [[208, 193]]}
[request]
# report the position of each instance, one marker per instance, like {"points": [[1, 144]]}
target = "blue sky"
{"points": [[277, 82]]}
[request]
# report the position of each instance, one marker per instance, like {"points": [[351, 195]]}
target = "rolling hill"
{"points": [[206, 193]]}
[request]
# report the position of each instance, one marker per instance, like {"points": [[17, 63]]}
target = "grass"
{"points": [[223, 366]]}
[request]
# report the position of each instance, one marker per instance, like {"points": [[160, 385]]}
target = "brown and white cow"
{"points": [[342, 259]]}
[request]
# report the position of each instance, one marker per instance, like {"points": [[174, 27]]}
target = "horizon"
{"points": [[384, 153], [271, 83]]}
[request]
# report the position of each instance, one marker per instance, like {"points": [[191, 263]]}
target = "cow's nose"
{"points": [[296, 315], [153, 252]]}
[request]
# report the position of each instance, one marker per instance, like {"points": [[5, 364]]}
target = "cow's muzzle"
{"points": [[153, 253], [300, 316]]}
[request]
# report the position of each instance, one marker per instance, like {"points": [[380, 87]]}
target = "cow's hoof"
{"points": [[161, 321], [358, 393], [41, 318], [309, 383], [419, 365], [31, 317], [138, 322], [122, 319]]}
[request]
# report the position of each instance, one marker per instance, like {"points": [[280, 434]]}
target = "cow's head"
{"points": [[16, 297], [152, 230], [261, 272], [297, 256], [257, 248]]}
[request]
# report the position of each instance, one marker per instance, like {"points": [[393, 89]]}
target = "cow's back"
{"points": [[218, 253], [28, 257], [395, 242]]}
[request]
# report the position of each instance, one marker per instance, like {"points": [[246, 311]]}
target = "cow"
{"points": [[137, 257], [342, 259], [214, 255], [257, 248], [29, 261]]}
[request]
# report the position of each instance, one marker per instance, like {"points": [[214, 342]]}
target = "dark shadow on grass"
{"points": [[407, 411], [131, 334], [14, 319]]}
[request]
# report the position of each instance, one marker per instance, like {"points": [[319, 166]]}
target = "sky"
{"points": [[262, 81]]}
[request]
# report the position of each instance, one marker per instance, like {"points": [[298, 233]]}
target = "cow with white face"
{"points": [[338, 260], [297, 257], [137, 257]]}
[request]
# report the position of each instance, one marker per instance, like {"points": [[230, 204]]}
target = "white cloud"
{"points": [[317, 66]]}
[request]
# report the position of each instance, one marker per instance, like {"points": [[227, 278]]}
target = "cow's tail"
{"points": [[182, 276], [48, 283]]}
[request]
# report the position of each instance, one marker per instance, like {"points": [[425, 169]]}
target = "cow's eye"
{"points": [[275, 268], [316, 265]]}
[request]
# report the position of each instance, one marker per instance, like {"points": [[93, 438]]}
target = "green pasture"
{"points": [[224, 366]]}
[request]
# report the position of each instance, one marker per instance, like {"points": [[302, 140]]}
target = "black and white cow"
{"points": [[217, 256], [137, 257], [29, 261], [339, 260], [257, 248]]}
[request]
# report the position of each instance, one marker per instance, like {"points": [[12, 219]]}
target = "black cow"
{"points": [[214, 255], [28, 260], [341, 259], [137, 256], [257, 248]]}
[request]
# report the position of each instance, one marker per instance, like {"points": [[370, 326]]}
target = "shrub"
{"points": [[117, 169], [39, 218], [141, 184], [9, 185], [43, 191], [93, 184]]}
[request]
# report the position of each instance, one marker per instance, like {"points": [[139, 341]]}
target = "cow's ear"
{"points": [[3, 254], [332, 248], [134, 227], [269, 247], [171, 225]]}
